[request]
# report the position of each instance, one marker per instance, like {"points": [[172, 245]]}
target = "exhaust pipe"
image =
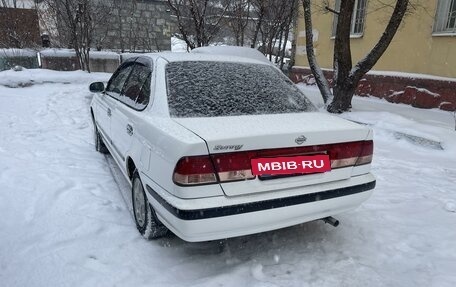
{"points": [[331, 221]]}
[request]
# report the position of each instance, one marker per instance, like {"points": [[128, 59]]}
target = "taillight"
{"points": [[366, 154], [351, 153], [235, 166], [193, 170]]}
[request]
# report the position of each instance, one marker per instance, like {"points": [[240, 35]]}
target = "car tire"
{"points": [[99, 143], [145, 218]]}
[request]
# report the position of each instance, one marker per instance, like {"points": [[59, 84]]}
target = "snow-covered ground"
{"points": [[63, 221]]}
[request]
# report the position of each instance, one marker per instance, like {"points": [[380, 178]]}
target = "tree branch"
{"points": [[331, 10], [363, 66]]}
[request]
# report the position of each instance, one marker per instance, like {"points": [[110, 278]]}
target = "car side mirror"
{"points": [[97, 87]]}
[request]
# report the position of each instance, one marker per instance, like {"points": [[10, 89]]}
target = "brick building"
{"points": [[19, 28]]}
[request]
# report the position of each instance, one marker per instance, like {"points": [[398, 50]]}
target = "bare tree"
{"points": [[76, 23], [264, 24], [198, 21], [260, 7], [239, 18], [347, 77], [286, 27], [274, 22]]}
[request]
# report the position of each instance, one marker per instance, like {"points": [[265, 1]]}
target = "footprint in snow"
{"points": [[450, 206], [257, 272], [83, 126]]}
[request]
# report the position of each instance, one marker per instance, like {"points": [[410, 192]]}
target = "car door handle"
{"points": [[129, 130], [109, 112]]}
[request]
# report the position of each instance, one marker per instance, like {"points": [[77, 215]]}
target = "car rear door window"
{"points": [[137, 89], [144, 94], [214, 89]]}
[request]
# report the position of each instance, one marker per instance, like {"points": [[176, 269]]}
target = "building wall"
{"points": [[19, 28], [143, 25], [419, 91], [414, 49]]}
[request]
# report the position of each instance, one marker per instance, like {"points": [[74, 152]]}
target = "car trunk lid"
{"points": [[273, 136]]}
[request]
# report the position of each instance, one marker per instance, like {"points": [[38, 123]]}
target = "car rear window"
{"points": [[214, 89]]}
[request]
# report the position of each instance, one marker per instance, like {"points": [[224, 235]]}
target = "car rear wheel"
{"points": [[146, 221], [99, 143]]}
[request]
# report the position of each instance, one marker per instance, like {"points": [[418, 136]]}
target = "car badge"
{"points": [[228, 147], [300, 140]]}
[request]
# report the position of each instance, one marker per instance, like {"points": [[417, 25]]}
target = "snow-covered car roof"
{"points": [[243, 52], [175, 57]]}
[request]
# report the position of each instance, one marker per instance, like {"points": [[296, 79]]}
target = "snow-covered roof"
{"points": [[13, 52], [104, 55], [54, 52]]}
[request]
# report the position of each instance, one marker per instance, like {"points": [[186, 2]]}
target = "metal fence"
{"points": [[57, 59]]}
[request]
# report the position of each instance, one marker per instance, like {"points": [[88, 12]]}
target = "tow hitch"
{"points": [[331, 220]]}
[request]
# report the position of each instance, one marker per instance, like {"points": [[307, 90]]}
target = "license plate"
{"points": [[291, 165]]}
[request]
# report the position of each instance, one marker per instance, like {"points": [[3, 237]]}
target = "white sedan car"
{"points": [[217, 147]]}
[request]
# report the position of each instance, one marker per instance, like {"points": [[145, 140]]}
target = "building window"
{"points": [[445, 17], [358, 17]]}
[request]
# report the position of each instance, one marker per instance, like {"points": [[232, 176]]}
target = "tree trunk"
{"points": [[282, 50], [346, 78], [342, 60], [295, 34], [343, 94], [87, 59], [322, 82], [258, 27]]}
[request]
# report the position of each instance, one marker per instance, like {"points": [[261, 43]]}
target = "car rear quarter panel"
{"points": [[167, 142]]}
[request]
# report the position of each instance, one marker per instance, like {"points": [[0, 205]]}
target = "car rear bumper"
{"points": [[224, 217]]}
